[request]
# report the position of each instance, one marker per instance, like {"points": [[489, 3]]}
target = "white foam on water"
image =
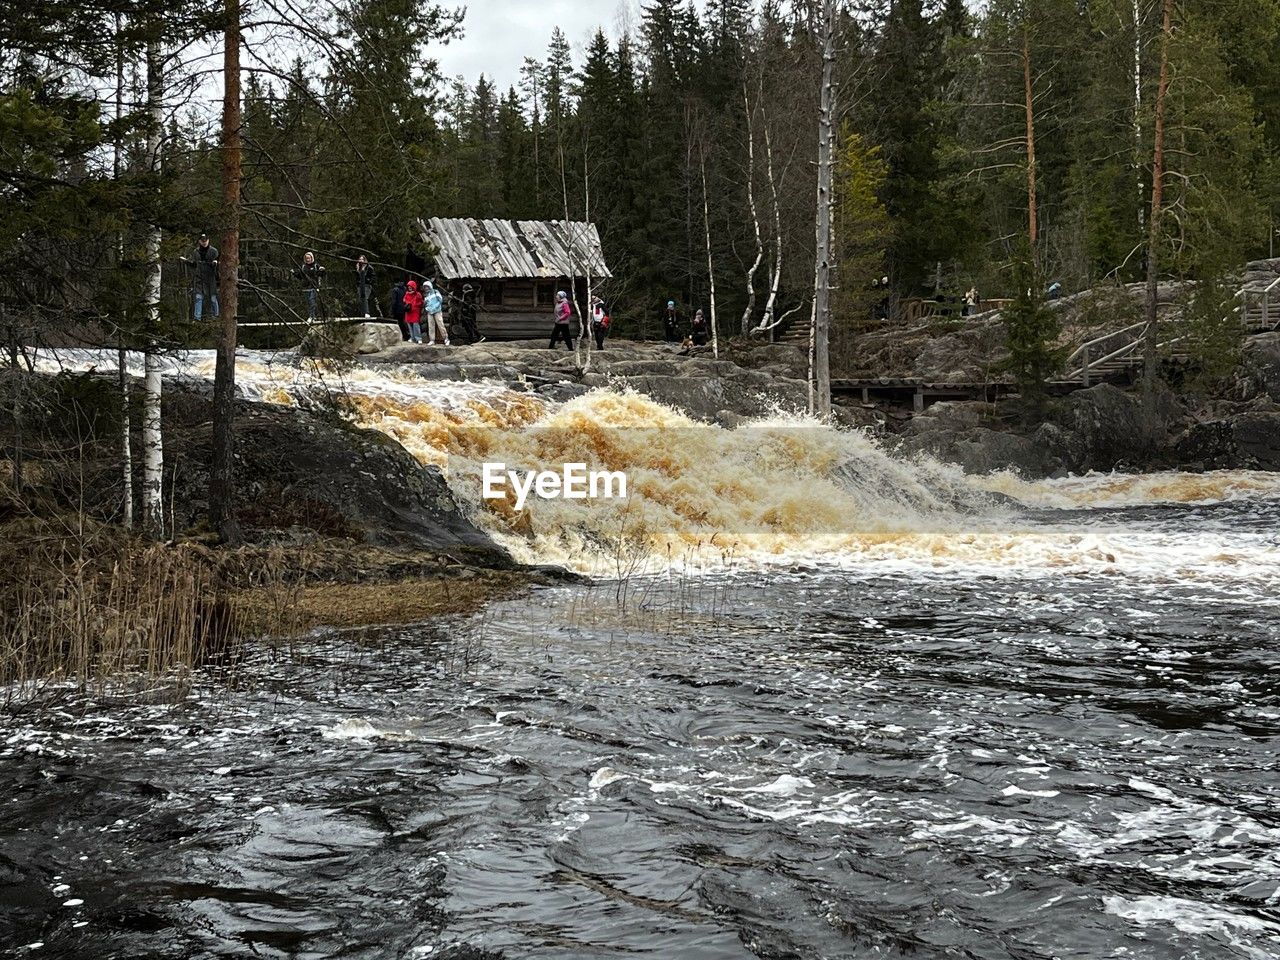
{"points": [[1187, 916], [358, 728], [780, 489]]}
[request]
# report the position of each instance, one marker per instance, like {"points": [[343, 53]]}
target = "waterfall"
{"points": [[780, 489]]}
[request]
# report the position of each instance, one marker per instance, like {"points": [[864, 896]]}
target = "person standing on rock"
{"points": [[435, 316], [467, 313], [882, 305], [671, 323], [204, 263], [599, 321], [364, 285], [397, 309], [312, 276], [398, 292], [563, 313], [413, 301], [698, 329]]}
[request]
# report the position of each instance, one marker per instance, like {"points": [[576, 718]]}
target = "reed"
{"points": [[93, 605]]}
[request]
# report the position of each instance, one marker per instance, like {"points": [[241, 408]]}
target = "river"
{"points": [[997, 720]]}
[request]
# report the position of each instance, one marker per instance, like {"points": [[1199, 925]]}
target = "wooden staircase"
{"points": [[1119, 354], [1258, 310]]}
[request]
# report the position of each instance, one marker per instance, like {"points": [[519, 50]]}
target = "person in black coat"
{"points": [[364, 286], [397, 309], [698, 330], [467, 313], [204, 262], [312, 276], [671, 323]]}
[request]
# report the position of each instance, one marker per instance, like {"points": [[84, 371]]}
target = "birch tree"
{"points": [[152, 440], [122, 356], [711, 271], [820, 364], [749, 112]]}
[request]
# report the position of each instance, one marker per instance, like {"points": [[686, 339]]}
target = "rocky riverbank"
{"points": [[1104, 428]]}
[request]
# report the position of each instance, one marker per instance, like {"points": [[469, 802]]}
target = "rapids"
{"points": [[779, 490], [911, 713]]}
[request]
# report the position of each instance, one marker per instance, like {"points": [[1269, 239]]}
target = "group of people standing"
{"points": [[697, 335], [562, 328], [417, 304], [411, 307]]}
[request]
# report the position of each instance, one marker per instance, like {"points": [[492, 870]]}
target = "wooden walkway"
{"points": [[917, 393]]}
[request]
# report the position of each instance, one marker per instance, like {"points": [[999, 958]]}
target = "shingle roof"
{"points": [[503, 249]]}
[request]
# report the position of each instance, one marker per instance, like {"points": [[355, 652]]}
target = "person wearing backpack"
{"points": [[435, 316], [671, 323], [599, 321], [413, 301], [698, 331]]}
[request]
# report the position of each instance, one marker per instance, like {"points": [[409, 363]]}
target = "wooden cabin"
{"points": [[515, 268]]}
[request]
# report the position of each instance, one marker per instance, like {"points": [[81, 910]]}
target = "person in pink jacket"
{"points": [[562, 329]]}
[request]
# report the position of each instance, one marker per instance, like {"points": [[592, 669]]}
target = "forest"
{"points": [[800, 169], [965, 132]]}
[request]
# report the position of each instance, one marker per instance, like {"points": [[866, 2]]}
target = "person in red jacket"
{"points": [[413, 301]]}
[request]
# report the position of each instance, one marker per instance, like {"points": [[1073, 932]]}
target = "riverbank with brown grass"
{"points": [[90, 604]]}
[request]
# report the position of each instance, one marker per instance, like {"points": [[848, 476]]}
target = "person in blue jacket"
{"points": [[434, 309]]}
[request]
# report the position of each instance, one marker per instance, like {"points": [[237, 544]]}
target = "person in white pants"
{"points": [[435, 316]]}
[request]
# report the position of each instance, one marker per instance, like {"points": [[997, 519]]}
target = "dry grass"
{"points": [[91, 604], [362, 604], [87, 604]]}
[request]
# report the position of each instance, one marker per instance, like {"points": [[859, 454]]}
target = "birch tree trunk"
{"points": [[222, 472], [1150, 358], [126, 447], [821, 363], [588, 316], [573, 266], [1137, 110], [766, 319], [711, 273], [755, 216], [1032, 224], [152, 442], [152, 449]]}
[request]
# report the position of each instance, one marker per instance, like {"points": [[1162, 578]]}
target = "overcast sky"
{"points": [[501, 33]]}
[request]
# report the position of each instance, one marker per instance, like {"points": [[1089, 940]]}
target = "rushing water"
{"points": [[820, 762], [975, 717]]}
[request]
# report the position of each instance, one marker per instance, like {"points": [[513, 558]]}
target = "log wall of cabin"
{"points": [[518, 308]]}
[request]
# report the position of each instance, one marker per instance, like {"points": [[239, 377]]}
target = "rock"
{"points": [[968, 435], [857, 417], [562, 391], [374, 337], [1257, 438], [1259, 372], [748, 393], [1101, 428], [1245, 441], [303, 476], [1261, 272]]}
